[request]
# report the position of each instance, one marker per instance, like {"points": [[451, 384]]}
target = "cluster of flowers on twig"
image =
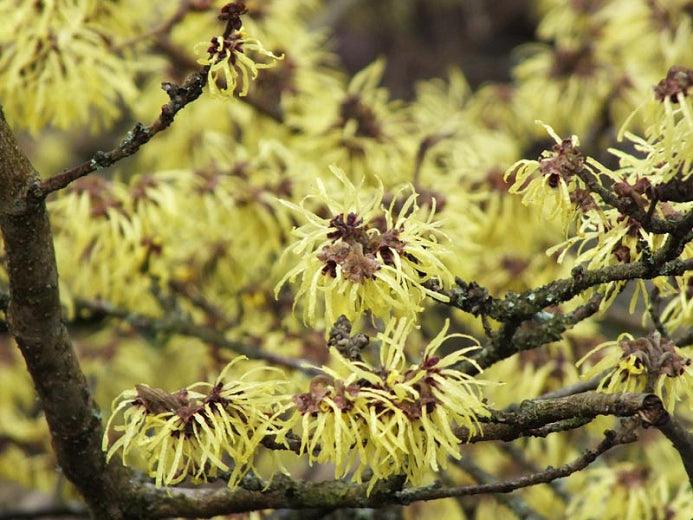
{"points": [[395, 418], [549, 181], [361, 256], [359, 249], [652, 364], [229, 57], [198, 431], [575, 189]]}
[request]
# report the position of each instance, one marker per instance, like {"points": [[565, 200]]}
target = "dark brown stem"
{"points": [[628, 207], [676, 190], [653, 309], [512, 502], [180, 97], [425, 145], [35, 321], [686, 340]]}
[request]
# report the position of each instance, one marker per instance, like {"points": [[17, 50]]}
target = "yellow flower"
{"points": [[549, 181], [566, 85], [230, 66], [648, 364], [192, 431], [605, 238], [396, 418], [359, 127], [666, 150], [679, 311], [362, 256]]}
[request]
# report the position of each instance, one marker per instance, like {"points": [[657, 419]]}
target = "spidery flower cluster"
{"points": [[228, 57], [392, 418], [355, 255], [569, 186], [57, 54], [197, 431], [550, 181], [647, 364]]}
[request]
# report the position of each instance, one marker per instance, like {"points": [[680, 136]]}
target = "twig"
{"points": [[676, 190], [545, 328], [540, 417], [475, 300], [518, 456], [177, 325], [27, 446], [628, 207], [686, 340], [620, 318], [425, 145], [515, 503], [180, 97], [610, 440], [653, 311], [332, 13], [197, 299]]}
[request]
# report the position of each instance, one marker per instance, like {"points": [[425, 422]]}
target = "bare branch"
{"points": [[474, 299], [180, 96], [610, 440], [543, 329], [540, 417], [513, 502], [517, 455], [35, 321], [577, 388]]}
